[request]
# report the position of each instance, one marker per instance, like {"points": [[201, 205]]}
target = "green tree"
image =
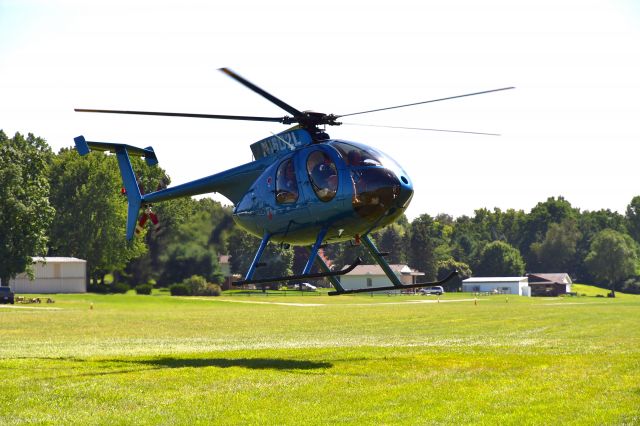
{"points": [[557, 251], [91, 213], [190, 249], [422, 246], [345, 253], [391, 240], [171, 214], [242, 248], [187, 259], [538, 220], [470, 235], [613, 257], [386, 239], [632, 218], [590, 223], [25, 212], [464, 241], [445, 267], [499, 259]]}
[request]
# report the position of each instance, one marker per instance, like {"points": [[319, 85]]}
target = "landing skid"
{"points": [[395, 287], [397, 284], [332, 275]]}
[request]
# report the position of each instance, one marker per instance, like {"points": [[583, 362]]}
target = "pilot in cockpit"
{"points": [[323, 174]]}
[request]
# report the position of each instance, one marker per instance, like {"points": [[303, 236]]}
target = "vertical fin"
{"points": [[134, 197]]}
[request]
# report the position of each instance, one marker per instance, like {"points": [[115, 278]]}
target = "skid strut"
{"points": [[301, 276]]}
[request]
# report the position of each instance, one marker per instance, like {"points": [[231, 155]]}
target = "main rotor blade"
{"points": [[426, 102], [422, 128], [268, 96], [180, 114]]}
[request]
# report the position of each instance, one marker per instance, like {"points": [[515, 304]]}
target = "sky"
{"points": [[569, 128]]}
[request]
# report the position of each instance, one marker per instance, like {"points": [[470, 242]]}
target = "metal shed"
{"points": [[504, 285], [53, 275]]}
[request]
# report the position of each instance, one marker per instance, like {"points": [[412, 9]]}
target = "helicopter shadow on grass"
{"points": [[121, 366], [250, 363], [127, 366]]}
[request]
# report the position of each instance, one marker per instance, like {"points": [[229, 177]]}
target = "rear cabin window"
{"points": [[323, 175], [286, 183]]}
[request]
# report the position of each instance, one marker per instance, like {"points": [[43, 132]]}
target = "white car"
{"points": [[306, 287], [432, 290]]}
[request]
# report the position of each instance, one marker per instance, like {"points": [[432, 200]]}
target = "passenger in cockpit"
{"points": [[354, 158]]}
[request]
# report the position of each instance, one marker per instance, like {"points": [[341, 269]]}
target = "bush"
{"points": [[179, 290], [108, 288], [98, 288], [632, 286], [195, 286], [211, 290], [119, 288], [144, 289]]}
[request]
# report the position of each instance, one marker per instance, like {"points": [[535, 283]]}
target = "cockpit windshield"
{"points": [[357, 157]]}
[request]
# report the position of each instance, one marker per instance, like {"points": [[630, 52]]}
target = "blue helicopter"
{"points": [[303, 188]]}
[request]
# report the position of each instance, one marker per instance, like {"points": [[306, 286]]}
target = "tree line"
{"points": [[64, 205]]}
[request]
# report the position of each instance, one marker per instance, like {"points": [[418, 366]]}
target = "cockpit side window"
{"points": [[286, 183], [323, 175], [356, 157]]}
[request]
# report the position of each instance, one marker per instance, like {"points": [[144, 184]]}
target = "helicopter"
{"points": [[302, 188]]}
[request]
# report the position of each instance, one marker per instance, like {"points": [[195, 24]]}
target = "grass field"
{"points": [[127, 359]]}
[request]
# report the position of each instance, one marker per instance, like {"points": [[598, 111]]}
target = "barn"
{"points": [[53, 275], [553, 284], [502, 285], [371, 276]]}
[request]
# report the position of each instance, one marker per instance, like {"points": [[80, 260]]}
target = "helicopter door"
{"points": [[323, 175]]}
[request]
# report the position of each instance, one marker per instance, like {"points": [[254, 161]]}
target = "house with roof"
{"points": [[372, 276], [549, 284]]}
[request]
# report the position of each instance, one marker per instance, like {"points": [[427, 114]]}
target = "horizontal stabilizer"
{"points": [[84, 147]]}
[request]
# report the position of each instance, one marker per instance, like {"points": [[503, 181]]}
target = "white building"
{"points": [[505, 285], [371, 276], [53, 275]]}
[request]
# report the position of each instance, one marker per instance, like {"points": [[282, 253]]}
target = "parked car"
{"points": [[306, 287], [6, 295], [432, 290]]}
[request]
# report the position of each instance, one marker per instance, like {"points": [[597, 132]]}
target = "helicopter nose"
{"points": [[406, 191]]}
